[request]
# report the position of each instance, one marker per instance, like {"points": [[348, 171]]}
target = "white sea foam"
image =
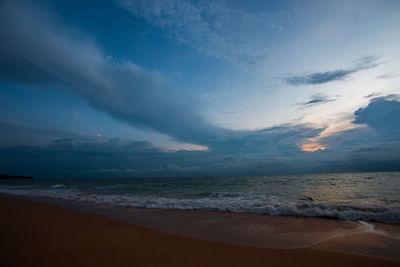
{"points": [[58, 186], [257, 204]]}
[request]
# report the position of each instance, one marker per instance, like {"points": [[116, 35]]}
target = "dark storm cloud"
{"points": [[381, 114], [378, 143], [30, 149], [274, 141], [35, 50], [45, 152], [335, 75], [14, 134]]}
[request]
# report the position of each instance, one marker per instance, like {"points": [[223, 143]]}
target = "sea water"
{"points": [[373, 196]]}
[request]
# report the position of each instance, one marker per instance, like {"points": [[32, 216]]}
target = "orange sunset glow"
{"points": [[312, 147]]}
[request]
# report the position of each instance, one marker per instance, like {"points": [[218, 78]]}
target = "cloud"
{"points": [[66, 58], [381, 114], [319, 77], [212, 27], [335, 75], [389, 75], [69, 154], [316, 99], [37, 50], [377, 141], [372, 95], [279, 141], [46, 152], [13, 134]]}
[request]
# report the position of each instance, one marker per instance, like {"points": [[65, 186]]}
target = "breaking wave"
{"points": [[257, 204]]}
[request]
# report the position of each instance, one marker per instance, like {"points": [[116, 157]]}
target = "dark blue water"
{"points": [[345, 196]]}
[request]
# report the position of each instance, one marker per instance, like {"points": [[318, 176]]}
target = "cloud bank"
{"points": [[45, 152], [36, 50]]}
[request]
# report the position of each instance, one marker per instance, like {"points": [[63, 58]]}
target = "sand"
{"points": [[42, 234]]}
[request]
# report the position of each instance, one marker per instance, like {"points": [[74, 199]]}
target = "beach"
{"points": [[43, 234], [199, 133]]}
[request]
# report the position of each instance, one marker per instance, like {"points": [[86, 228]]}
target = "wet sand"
{"points": [[376, 239], [43, 234]]}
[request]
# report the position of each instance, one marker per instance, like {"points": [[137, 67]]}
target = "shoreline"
{"points": [[264, 231], [25, 220]]}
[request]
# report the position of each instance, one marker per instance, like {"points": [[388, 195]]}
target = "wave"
{"points": [[257, 204], [58, 186]]}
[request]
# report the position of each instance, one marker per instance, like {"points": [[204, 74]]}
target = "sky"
{"points": [[137, 88]]}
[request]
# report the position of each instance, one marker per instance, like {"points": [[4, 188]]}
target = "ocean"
{"points": [[372, 196]]}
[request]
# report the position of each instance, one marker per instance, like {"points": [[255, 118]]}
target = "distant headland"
{"points": [[3, 176]]}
